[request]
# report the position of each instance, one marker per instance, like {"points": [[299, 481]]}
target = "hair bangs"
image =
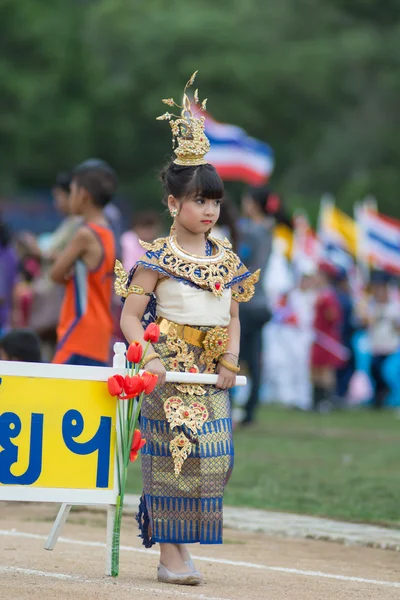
{"points": [[206, 183]]}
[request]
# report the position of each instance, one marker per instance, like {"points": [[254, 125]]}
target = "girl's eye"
{"points": [[218, 202], [200, 200]]}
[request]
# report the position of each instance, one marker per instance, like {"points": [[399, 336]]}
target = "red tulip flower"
{"points": [[150, 382], [137, 443], [115, 385], [152, 333], [133, 386], [135, 352]]}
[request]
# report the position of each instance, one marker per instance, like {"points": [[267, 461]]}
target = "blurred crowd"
{"points": [[314, 336]]}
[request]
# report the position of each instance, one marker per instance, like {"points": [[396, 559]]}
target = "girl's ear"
{"points": [[173, 204]]}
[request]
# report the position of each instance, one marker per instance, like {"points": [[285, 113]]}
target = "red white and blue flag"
{"points": [[237, 156], [380, 239]]}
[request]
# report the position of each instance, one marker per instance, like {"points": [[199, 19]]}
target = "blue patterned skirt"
{"points": [[188, 456]]}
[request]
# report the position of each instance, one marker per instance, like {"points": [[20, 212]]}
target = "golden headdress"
{"points": [[188, 129]]}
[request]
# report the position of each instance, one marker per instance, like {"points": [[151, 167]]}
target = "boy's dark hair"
{"points": [[98, 178], [202, 180], [22, 345], [63, 181]]}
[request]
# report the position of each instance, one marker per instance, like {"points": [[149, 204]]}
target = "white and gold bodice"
{"points": [[193, 290], [189, 305]]}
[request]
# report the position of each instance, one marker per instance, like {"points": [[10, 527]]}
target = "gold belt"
{"points": [[184, 332], [215, 340]]}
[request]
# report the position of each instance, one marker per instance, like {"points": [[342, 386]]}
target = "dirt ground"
{"points": [[246, 567]]}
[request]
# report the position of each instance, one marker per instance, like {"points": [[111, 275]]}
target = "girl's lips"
{"points": [[207, 222]]}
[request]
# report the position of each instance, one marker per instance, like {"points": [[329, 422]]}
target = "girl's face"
{"points": [[197, 214]]}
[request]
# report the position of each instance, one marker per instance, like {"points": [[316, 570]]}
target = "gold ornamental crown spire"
{"points": [[188, 129]]}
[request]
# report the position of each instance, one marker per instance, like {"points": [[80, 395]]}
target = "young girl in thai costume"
{"points": [[190, 284]]}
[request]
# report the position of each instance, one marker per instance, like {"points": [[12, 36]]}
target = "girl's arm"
{"points": [[134, 308], [226, 379]]}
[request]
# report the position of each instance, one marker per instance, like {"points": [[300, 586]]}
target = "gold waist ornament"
{"points": [[214, 341]]}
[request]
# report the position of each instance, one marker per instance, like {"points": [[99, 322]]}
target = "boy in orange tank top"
{"points": [[86, 268]]}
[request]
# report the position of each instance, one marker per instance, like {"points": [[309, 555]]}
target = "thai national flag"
{"points": [[380, 239], [236, 156]]}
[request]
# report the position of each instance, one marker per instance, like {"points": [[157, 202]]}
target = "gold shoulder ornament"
{"points": [[121, 283], [245, 289], [155, 246]]}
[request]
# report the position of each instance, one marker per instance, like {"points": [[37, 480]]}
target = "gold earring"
{"points": [[174, 212]]}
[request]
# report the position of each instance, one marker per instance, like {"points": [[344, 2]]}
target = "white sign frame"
{"points": [[89, 497]]}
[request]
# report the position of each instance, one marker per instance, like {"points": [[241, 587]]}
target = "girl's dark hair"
{"points": [[270, 203], [202, 180]]}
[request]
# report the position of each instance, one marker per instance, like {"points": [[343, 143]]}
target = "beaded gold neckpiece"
{"points": [[213, 273]]}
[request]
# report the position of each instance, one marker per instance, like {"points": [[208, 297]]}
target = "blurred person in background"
{"points": [[28, 271], [227, 223], [345, 297], [86, 267], [259, 206], [8, 277], [146, 227], [328, 352], [20, 345], [48, 296], [111, 211], [302, 302], [383, 326], [70, 223]]}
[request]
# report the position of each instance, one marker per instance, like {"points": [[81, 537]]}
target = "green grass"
{"points": [[344, 465]]}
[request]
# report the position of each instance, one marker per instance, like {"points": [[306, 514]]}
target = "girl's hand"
{"points": [[155, 366], [226, 379]]}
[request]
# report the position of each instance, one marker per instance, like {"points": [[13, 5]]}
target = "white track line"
{"points": [[248, 565], [113, 582]]}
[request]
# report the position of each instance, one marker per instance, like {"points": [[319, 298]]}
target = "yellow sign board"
{"points": [[56, 433]]}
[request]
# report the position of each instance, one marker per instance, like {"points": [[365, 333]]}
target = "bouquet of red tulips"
{"points": [[130, 391]]}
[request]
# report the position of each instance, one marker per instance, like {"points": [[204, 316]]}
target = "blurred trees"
{"points": [[317, 79]]}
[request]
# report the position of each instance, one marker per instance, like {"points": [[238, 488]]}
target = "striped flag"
{"points": [[338, 235], [236, 156], [380, 239]]}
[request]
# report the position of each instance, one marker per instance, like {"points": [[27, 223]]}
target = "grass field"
{"points": [[344, 465]]}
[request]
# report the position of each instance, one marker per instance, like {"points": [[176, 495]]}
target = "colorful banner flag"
{"points": [[338, 235], [236, 156], [380, 239]]}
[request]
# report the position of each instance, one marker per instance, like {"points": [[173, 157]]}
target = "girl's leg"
{"points": [[184, 552], [170, 557]]}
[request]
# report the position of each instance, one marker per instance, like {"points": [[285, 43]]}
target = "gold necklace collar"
{"points": [[179, 251]]}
